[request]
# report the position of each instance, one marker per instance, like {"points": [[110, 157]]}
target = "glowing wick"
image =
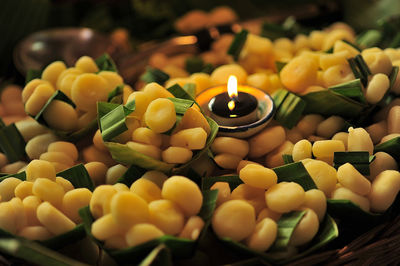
{"points": [[232, 91]]}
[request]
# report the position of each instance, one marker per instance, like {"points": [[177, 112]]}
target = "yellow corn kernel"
{"points": [[22, 190], [141, 233], [48, 190], [38, 98], [66, 184], [193, 138], [101, 199], [40, 169], [128, 209], [54, 220], [252, 195], [87, 90], [146, 189], [73, 200], [192, 228], [7, 188], [53, 71], [30, 206], [86, 64], [37, 232]]}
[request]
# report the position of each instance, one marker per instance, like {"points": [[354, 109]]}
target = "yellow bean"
{"points": [[389, 137], [146, 189], [57, 157], [267, 213], [166, 216], [230, 145], [38, 98], [284, 197], [141, 233], [14, 168], [30, 206], [101, 199], [299, 73], [359, 140], [87, 90], [53, 71], [258, 176], [97, 172], [86, 118], [350, 178], [146, 149], [330, 126], [30, 128], [266, 141], [142, 101], [66, 184], [98, 141], [65, 84], [301, 150], [22, 190], [37, 232], [38, 145], [7, 188], [193, 118], [183, 192], [274, 158], [306, 229], [309, 123], [114, 173], [176, 155], [377, 87], [59, 109], [227, 161], [384, 190], [66, 147], [224, 192], [260, 80], [337, 35], [342, 136], [147, 136], [40, 169], [378, 62], [343, 193], [193, 138], [328, 60], [128, 209], [221, 74], [263, 236], [377, 131], [235, 219], [323, 175], [54, 220], [92, 154], [86, 64], [393, 118], [202, 81], [156, 177], [383, 161], [252, 195], [74, 200], [294, 135], [342, 46], [315, 199], [153, 90], [337, 74], [48, 190], [105, 227], [112, 78], [160, 115], [30, 87], [327, 148], [120, 187], [192, 228], [8, 217]]}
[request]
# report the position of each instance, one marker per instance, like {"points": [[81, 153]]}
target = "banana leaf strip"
{"points": [[190, 88], [328, 102], [232, 180], [279, 65], [160, 256], [351, 89], [194, 64], [35, 253], [359, 159], [105, 63], [179, 247], [369, 38], [295, 172], [115, 96], [33, 74], [78, 176], [113, 123], [154, 75], [391, 146], [237, 44], [290, 110], [131, 175], [287, 158], [20, 175], [12, 144], [347, 210]]}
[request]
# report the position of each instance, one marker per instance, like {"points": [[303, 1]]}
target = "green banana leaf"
{"points": [[391, 146], [347, 210], [179, 247], [105, 63], [12, 144]]}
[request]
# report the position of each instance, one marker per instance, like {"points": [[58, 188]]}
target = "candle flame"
{"points": [[232, 86], [232, 91]]}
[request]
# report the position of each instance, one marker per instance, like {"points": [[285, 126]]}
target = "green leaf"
{"points": [[104, 108], [328, 102], [66, 238], [391, 146], [286, 225], [20, 175], [287, 158], [115, 96], [347, 210], [78, 176], [237, 44], [351, 89], [290, 110], [179, 247], [190, 88], [105, 63], [131, 175], [180, 92], [369, 38], [279, 65], [12, 143], [160, 256], [35, 253], [393, 76], [154, 75], [359, 159], [194, 64], [33, 74], [232, 180], [295, 172], [113, 123]]}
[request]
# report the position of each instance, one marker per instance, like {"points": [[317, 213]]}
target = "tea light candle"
{"points": [[233, 107]]}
